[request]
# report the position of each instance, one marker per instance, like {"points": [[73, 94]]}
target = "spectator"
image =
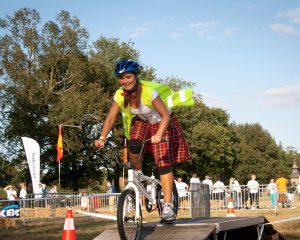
{"points": [[253, 187], [11, 194], [282, 183], [235, 190], [272, 189], [41, 193], [53, 191], [219, 192], [194, 178], [42, 190], [244, 197], [298, 189], [208, 182], [23, 195], [53, 195], [111, 188], [111, 199], [84, 201], [23, 192], [182, 189]]}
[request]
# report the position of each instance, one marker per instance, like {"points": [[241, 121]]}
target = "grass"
{"points": [[88, 228]]}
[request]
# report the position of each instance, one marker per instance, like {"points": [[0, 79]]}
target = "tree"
{"points": [[50, 77], [259, 154]]}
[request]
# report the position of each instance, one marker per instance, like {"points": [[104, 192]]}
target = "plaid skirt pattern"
{"points": [[166, 153]]}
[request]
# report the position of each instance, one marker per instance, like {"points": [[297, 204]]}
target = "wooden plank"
{"points": [[189, 228], [165, 233], [240, 222], [178, 233]]}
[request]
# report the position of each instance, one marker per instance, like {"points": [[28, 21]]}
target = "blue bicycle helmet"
{"points": [[127, 65]]}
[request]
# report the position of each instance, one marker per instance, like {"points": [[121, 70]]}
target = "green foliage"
{"points": [[259, 155], [49, 76]]}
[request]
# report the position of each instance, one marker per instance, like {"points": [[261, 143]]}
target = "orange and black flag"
{"points": [[59, 146]]}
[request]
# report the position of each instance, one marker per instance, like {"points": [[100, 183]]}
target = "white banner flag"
{"points": [[32, 150]]}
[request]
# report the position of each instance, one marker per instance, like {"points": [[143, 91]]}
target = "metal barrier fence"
{"points": [[243, 199], [54, 206]]}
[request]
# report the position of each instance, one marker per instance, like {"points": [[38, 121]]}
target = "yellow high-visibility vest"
{"points": [[171, 99]]}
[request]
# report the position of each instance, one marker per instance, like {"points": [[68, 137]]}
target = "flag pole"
{"points": [[59, 175], [59, 146]]}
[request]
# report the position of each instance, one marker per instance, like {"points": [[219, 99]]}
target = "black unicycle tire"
{"points": [[128, 228]]}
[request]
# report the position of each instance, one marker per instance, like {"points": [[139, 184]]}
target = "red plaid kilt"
{"points": [[166, 153]]}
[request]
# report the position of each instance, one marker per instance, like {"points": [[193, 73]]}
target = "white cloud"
{"points": [[204, 25], [139, 31], [252, 6], [293, 15], [214, 101], [229, 31], [176, 34], [285, 29], [131, 18], [281, 96]]}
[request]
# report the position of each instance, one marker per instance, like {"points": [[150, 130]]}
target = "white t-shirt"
{"points": [[23, 193], [84, 202], [11, 194], [218, 187], [253, 186], [235, 186], [208, 182], [298, 188], [272, 187], [145, 112], [182, 189], [194, 180]]}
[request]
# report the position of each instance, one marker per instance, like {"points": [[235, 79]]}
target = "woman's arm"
{"points": [[161, 108], [108, 123]]}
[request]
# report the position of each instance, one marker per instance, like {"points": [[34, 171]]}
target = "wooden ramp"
{"points": [[197, 228]]}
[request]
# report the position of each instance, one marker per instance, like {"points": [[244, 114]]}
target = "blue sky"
{"points": [[242, 55]]}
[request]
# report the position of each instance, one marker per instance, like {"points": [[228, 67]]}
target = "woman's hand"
{"points": [[99, 143], [155, 139]]}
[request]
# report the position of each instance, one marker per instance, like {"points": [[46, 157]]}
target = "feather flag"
{"points": [[59, 146]]}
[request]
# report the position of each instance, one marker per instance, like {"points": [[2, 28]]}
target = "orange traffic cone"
{"points": [[230, 209], [69, 228]]}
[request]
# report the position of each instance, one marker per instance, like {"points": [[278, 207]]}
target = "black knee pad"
{"points": [[135, 146], [164, 170]]}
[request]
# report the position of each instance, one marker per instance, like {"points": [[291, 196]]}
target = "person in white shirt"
{"points": [[219, 192], [11, 193], [182, 189], [23, 194], [84, 201], [298, 189], [235, 190], [272, 189], [194, 178], [53, 195], [253, 187], [208, 182]]}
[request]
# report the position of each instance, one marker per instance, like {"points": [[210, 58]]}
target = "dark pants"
{"points": [[254, 198]]}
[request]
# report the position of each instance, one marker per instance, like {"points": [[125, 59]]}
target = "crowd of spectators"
{"points": [[280, 191]]}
